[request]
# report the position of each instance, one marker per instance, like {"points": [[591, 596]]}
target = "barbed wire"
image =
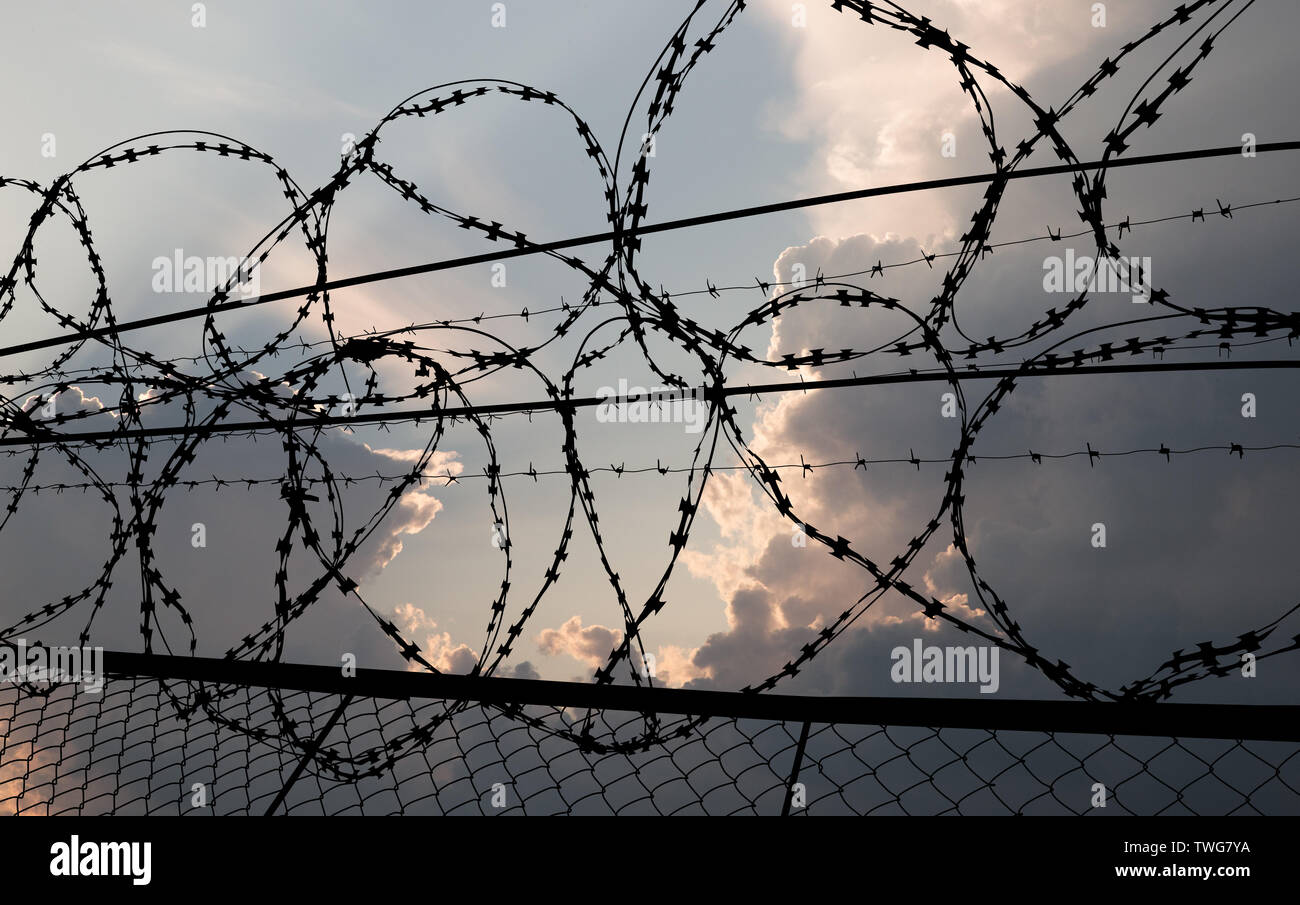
{"points": [[764, 286], [227, 381], [449, 479]]}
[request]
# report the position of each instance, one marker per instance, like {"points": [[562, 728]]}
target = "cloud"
{"points": [[1113, 617], [412, 514], [436, 647], [876, 107], [71, 401], [676, 666], [673, 665], [440, 462], [590, 645], [20, 775], [226, 583]]}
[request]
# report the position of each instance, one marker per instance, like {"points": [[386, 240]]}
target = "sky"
{"points": [[793, 100]]}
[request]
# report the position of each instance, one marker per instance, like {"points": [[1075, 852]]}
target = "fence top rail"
{"points": [[1263, 722]]}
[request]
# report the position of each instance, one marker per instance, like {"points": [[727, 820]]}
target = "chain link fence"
{"points": [[170, 735]]}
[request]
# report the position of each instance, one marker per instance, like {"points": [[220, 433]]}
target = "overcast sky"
{"points": [[791, 102]]}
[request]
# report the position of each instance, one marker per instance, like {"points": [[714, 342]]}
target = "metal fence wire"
{"points": [[242, 735], [408, 743]]}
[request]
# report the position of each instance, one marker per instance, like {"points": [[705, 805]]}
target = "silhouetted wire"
{"points": [[226, 382]]}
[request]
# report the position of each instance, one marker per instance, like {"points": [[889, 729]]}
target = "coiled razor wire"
{"points": [[225, 381]]}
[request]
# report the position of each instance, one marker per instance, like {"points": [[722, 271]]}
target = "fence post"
{"points": [[794, 771], [308, 754]]}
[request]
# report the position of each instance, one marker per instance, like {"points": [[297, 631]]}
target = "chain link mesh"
{"points": [[131, 750]]}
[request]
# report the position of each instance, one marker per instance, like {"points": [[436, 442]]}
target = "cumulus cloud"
{"points": [[1114, 616], [876, 107], [590, 644], [436, 647], [413, 513], [440, 462]]}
